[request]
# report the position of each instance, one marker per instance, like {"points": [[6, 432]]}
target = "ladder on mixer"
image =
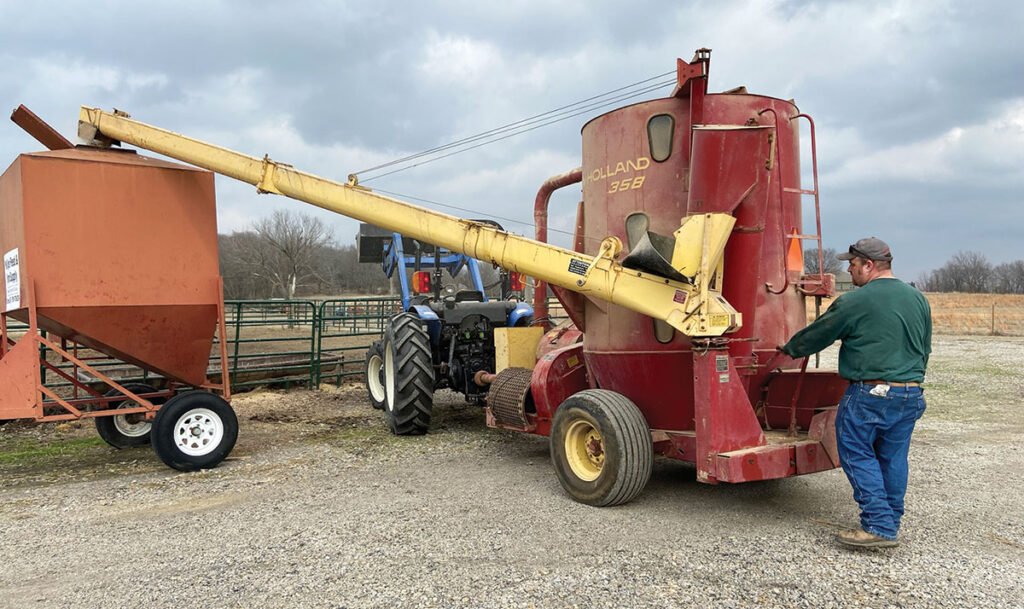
{"points": [[819, 284]]}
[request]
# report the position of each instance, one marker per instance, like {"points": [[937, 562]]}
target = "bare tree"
{"points": [[281, 252], [240, 282], [965, 272], [829, 260], [1008, 278], [924, 281], [348, 276], [290, 255]]}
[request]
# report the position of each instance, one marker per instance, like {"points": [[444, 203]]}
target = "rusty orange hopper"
{"points": [[117, 252]]}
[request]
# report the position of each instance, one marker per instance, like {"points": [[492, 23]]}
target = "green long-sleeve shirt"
{"points": [[886, 329]]}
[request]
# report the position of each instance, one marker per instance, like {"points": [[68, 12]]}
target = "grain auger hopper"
{"points": [[688, 273]]}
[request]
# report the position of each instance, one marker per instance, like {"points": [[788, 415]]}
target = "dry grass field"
{"points": [[996, 314], [970, 314]]}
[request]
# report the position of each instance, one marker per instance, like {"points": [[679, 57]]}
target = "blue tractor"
{"points": [[444, 335]]}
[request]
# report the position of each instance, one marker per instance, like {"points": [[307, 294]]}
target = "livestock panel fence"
{"points": [[281, 343]]}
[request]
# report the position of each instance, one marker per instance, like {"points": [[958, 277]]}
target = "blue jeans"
{"points": [[873, 438]]}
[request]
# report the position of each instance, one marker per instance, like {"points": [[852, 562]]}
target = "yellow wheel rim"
{"points": [[584, 449]]}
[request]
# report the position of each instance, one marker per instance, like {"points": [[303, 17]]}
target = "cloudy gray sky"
{"points": [[919, 104]]}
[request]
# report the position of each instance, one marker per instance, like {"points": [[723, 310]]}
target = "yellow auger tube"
{"points": [[687, 308]]}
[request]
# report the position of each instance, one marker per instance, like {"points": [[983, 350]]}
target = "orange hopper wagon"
{"points": [[115, 252]]}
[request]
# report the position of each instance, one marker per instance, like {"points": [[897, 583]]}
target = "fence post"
{"points": [[239, 312], [993, 329], [318, 354], [42, 357]]}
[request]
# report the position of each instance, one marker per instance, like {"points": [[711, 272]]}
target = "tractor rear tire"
{"points": [[408, 376], [375, 374], [601, 448], [194, 430], [127, 430]]}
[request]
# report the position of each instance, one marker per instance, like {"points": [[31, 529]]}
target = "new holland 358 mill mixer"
{"points": [[695, 201]]}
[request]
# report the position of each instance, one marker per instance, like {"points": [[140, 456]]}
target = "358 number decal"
{"points": [[626, 184]]}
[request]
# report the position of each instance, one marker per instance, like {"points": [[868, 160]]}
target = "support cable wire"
{"points": [[510, 125], [477, 213], [525, 129], [524, 125]]}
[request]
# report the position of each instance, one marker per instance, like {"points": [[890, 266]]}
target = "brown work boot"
{"points": [[858, 538]]}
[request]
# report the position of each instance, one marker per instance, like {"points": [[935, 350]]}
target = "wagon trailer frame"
{"points": [[146, 403], [128, 414]]}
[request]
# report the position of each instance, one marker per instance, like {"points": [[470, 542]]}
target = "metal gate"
{"points": [[346, 327]]}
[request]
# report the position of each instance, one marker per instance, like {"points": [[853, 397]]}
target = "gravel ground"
{"points": [[320, 507]]}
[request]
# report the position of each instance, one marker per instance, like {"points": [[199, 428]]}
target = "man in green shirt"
{"points": [[886, 331]]}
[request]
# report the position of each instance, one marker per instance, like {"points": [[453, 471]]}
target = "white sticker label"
{"points": [[12, 280], [579, 267]]}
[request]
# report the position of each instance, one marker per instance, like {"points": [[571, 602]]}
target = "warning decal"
{"points": [[12, 280], [721, 363], [719, 319], [578, 266]]}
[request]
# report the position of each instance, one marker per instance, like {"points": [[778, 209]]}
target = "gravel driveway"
{"points": [[320, 507]]}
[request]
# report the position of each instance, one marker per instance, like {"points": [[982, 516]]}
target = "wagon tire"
{"points": [[194, 430], [601, 448], [375, 374], [127, 430], [408, 376]]}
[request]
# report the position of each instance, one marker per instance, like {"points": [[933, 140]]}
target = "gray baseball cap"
{"points": [[869, 248]]}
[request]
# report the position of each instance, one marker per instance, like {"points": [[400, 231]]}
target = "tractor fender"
{"points": [[522, 310], [425, 313]]}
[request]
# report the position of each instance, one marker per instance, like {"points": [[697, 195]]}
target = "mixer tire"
{"points": [[375, 374], [408, 375], [601, 448], [194, 430], [127, 430]]}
